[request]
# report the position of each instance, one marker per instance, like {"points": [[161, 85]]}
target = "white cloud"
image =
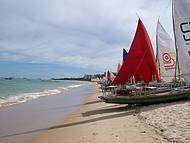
{"points": [[83, 33]]}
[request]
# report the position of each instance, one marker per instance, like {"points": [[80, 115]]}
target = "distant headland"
{"points": [[85, 77]]}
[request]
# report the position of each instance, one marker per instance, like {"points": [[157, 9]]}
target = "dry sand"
{"points": [[173, 120], [98, 122]]}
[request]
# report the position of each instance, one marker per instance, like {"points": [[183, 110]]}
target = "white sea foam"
{"points": [[69, 87], [73, 86], [21, 98]]}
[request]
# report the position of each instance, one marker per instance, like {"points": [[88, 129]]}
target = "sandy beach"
{"points": [[171, 119], [97, 122], [78, 116], [55, 53]]}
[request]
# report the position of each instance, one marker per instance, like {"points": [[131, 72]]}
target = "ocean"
{"points": [[19, 90], [22, 123]]}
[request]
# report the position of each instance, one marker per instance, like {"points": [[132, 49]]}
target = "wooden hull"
{"points": [[146, 99]]}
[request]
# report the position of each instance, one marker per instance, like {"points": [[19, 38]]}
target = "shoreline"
{"points": [[96, 122], [29, 96], [21, 123]]}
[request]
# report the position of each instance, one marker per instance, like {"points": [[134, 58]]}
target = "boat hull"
{"points": [[145, 99]]}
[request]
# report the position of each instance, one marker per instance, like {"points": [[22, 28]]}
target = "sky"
{"points": [[60, 38]]}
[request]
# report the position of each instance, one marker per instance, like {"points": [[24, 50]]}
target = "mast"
{"points": [[177, 55], [157, 56]]}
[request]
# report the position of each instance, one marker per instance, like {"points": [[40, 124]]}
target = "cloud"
{"points": [[82, 33]]}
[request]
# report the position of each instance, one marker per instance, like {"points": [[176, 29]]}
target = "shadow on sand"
{"points": [[93, 102], [110, 109], [119, 111], [161, 105]]}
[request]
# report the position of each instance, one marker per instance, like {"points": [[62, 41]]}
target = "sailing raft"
{"points": [[140, 65], [147, 99]]}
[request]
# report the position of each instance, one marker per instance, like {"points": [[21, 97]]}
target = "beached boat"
{"points": [[144, 72], [147, 99]]}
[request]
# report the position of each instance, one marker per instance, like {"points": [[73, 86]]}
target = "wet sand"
{"points": [[23, 122], [98, 122]]}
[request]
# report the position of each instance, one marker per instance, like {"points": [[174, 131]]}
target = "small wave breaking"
{"points": [[21, 98]]}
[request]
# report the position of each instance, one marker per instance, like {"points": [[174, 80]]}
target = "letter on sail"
{"points": [[181, 17], [166, 54]]}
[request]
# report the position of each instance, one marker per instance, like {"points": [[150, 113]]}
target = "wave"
{"points": [[73, 86], [69, 87], [21, 98]]}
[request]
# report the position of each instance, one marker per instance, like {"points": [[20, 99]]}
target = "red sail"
{"points": [[140, 61], [109, 76]]}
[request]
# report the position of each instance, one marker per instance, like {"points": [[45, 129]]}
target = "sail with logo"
{"points": [[181, 20], [166, 54]]}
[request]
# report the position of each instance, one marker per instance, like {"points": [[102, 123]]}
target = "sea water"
{"points": [[19, 90]]}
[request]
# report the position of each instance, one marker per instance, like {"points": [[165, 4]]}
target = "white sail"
{"points": [[166, 54], [181, 17]]}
